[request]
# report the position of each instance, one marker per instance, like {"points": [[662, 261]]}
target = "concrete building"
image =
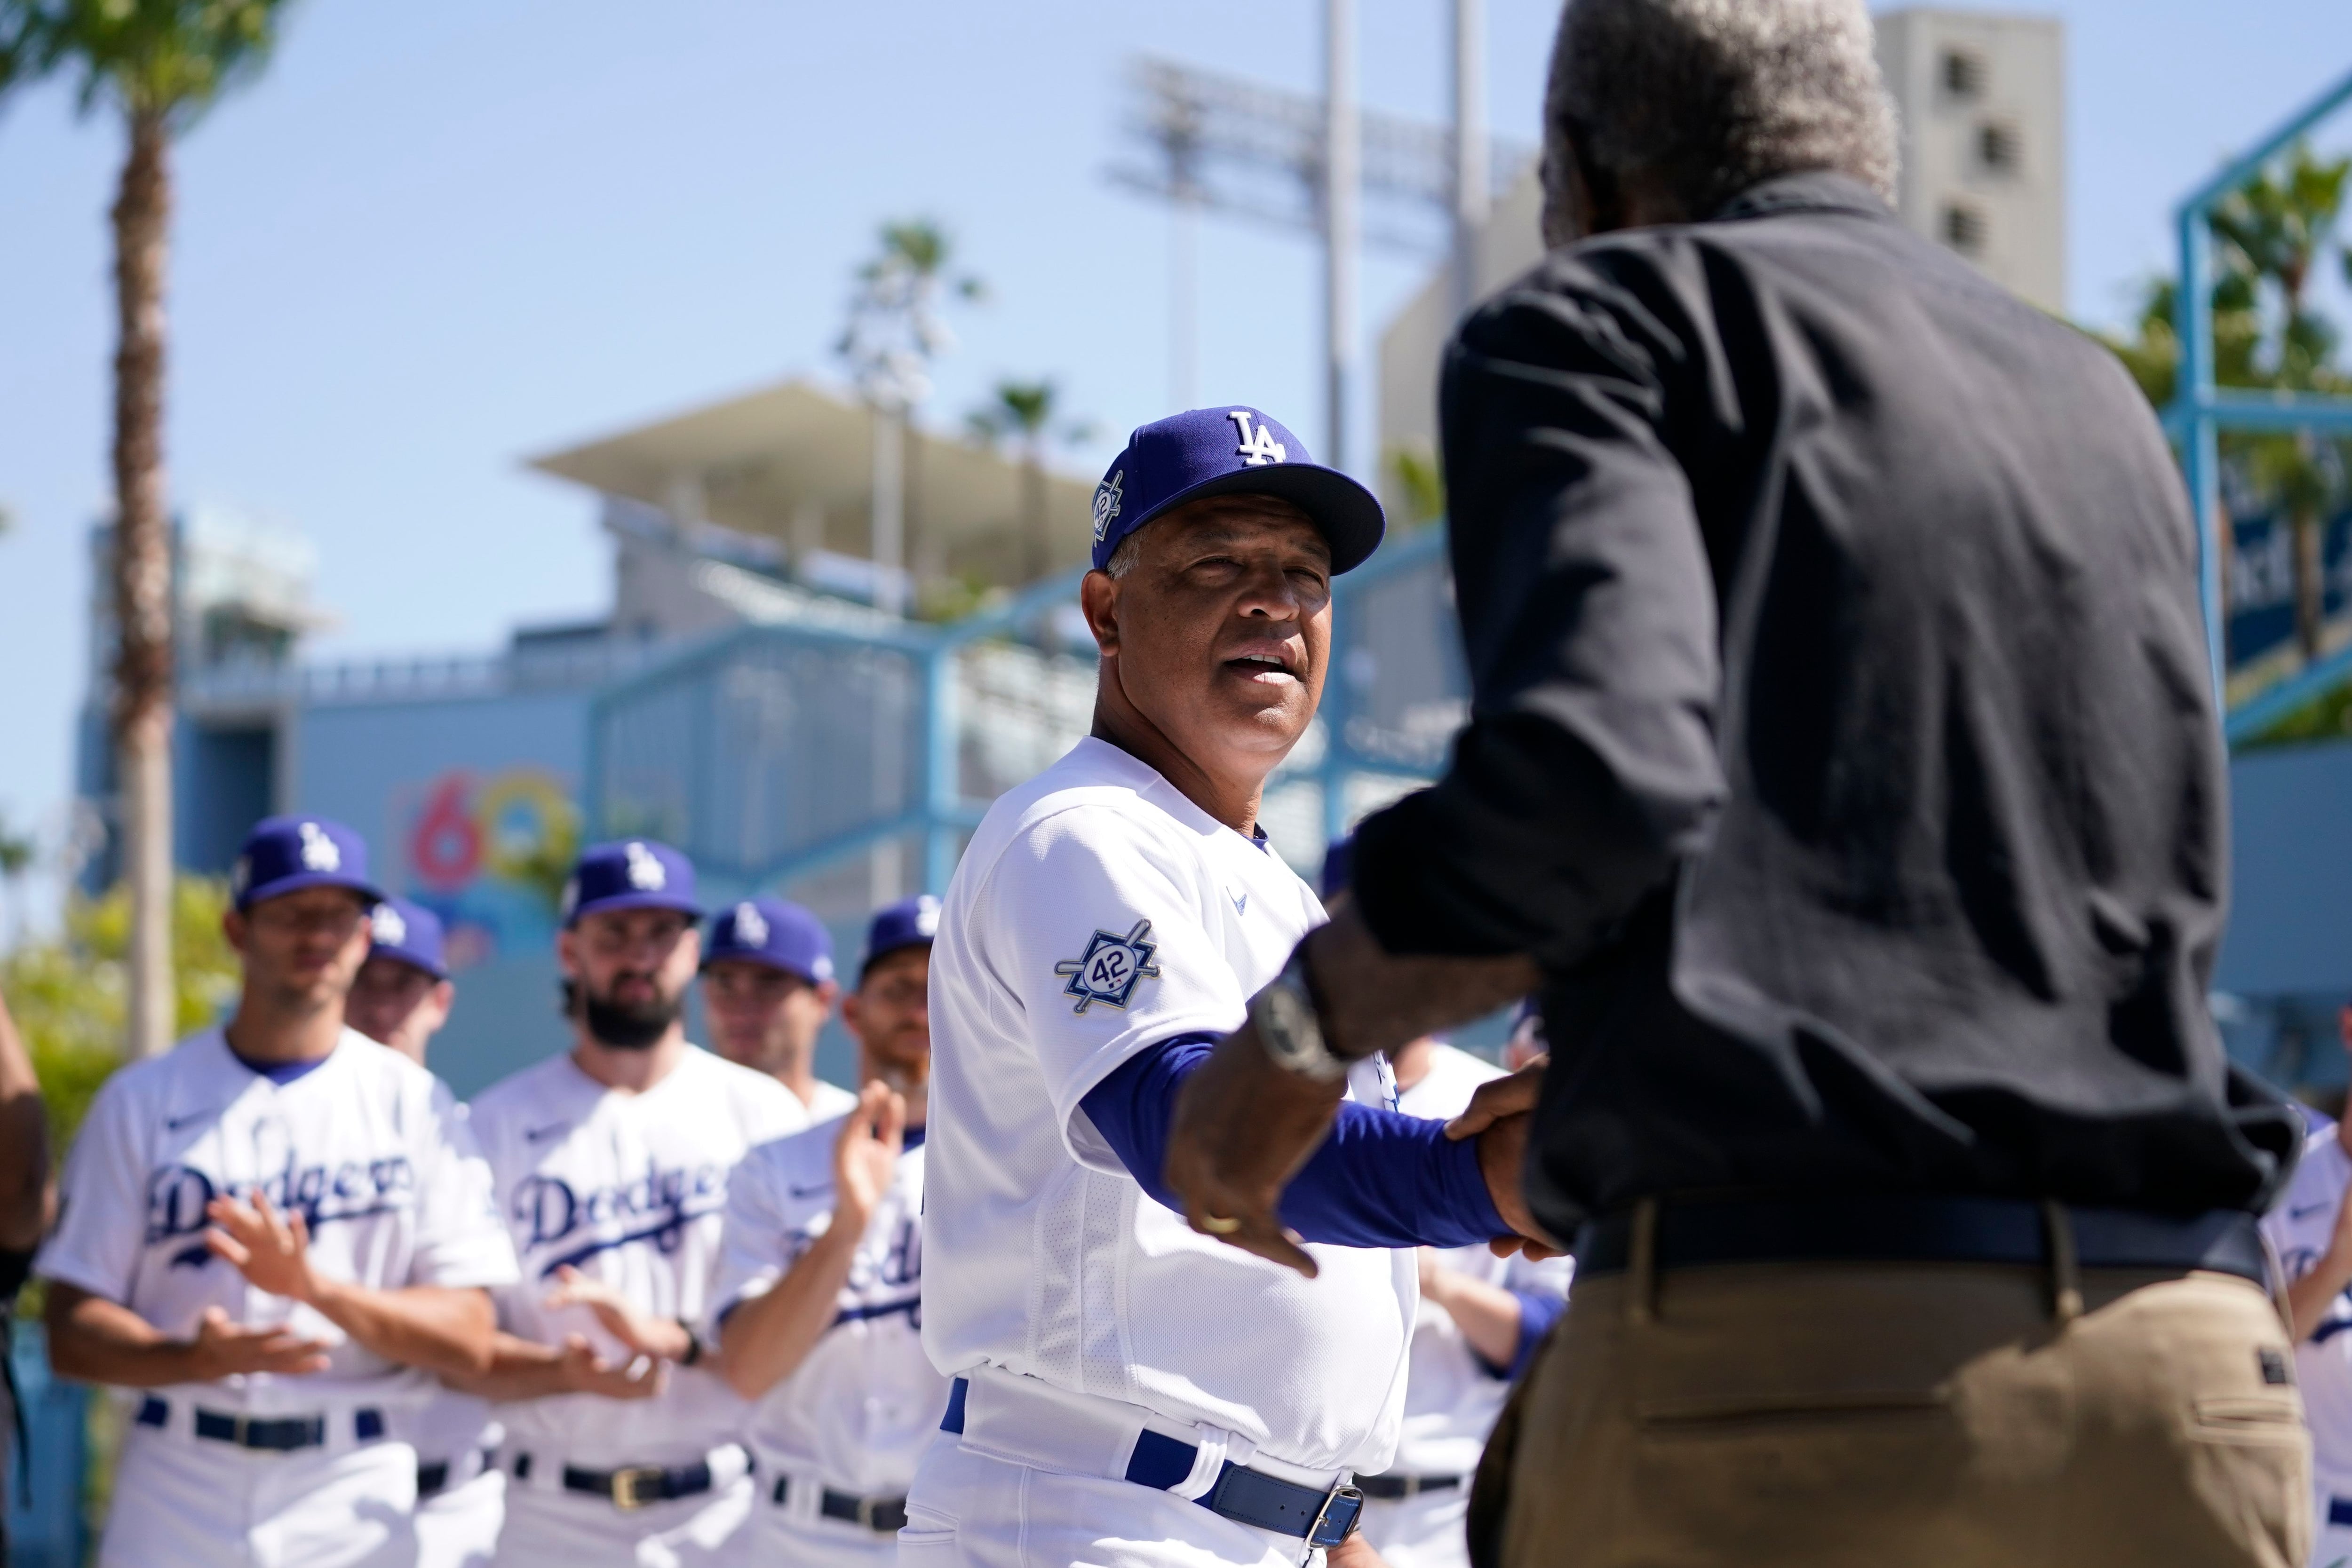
{"points": [[1983, 99]]}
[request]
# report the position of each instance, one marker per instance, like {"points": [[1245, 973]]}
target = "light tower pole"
{"points": [[1471, 175], [1342, 216]]}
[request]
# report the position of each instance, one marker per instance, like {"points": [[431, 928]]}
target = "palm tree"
{"points": [[895, 330], [160, 64], [1024, 412], [2282, 221]]}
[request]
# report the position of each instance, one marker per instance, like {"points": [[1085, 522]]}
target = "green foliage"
{"points": [[1422, 483], [67, 993], [169, 58]]}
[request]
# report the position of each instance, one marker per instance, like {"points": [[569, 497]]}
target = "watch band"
{"points": [[1290, 1026]]}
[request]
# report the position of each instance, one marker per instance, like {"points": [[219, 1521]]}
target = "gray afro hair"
{"points": [[1711, 97]]}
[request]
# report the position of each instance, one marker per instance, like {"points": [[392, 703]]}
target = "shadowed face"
{"points": [[629, 969], [762, 1017], [1218, 635], [301, 949], [890, 1015], [395, 1003]]}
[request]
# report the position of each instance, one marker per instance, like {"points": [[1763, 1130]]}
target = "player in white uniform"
{"points": [[820, 1295], [1128, 1390], [402, 998], [766, 988], [611, 1163], [1480, 1321], [2311, 1230], [274, 1234]]}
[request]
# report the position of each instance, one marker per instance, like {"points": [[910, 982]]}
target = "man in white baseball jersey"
{"points": [[1126, 1390], [1480, 1321], [612, 1164], [766, 988], [401, 999], [820, 1296], [274, 1234], [2311, 1230]]}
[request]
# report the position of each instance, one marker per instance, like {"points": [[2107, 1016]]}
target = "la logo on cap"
{"points": [[750, 929], [387, 928], [646, 873], [319, 850], [1258, 447]]}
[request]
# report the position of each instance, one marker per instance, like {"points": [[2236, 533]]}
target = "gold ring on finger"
{"points": [[1218, 1225]]}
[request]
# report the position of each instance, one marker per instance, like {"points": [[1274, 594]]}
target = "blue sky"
{"points": [[443, 234]]}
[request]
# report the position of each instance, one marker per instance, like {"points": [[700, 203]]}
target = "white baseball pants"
{"points": [[967, 1510], [546, 1528], [458, 1528], [182, 1500], [1423, 1532]]}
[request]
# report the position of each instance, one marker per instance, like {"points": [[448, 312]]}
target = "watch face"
{"points": [[1285, 1022]]}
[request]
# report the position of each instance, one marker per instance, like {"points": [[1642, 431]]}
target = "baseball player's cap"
{"points": [[409, 932], [909, 922], [775, 932], [1339, 866], [287, 855], [1229, 450], [629, 873]]}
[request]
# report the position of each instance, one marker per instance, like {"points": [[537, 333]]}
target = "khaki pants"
{"points": [[1901, 1416]]}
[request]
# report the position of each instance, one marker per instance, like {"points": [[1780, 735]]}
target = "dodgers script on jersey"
{"points": [[367, 1146], [1098, 912], [857, 1413], [2299, 1229], [630, 1189]]}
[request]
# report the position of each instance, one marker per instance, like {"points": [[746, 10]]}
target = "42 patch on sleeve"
{"points": [[1110, 968]]}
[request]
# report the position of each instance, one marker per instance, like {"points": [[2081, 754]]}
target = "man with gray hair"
{"points": [[1842, 769]]}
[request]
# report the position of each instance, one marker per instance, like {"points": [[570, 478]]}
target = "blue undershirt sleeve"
{"points": [[1538, 1310], [1380, 1179]]}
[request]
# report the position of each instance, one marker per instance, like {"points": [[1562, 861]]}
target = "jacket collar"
{"points": [[1819, 191]]}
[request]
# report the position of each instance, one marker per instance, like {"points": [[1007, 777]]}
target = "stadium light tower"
{"points": [[1220, 143]]}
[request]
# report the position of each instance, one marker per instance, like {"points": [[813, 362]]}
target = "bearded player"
{"points": [[611, 1163]]}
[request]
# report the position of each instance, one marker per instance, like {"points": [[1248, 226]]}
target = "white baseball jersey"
{"points": [[857, 1413], [2299, 1229], [829, 1101], [1098, 912], [366, 1145], [1451, 1396], [630, 1189]]}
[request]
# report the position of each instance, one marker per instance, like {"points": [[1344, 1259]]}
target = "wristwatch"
{"points": [[1291, 1026]]}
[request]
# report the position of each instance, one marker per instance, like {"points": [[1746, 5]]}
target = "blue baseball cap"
{"points": [[1230, 451], [775, 932], [909, 922], [287, 855], [1339, 866], [629, 873], [409, 932]]}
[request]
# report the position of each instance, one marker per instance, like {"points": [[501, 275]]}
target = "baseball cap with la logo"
{"points": [[286, 854], [774, 932], [1229, 450], [629, 873]]}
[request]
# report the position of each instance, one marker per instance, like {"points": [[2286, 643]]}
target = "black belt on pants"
{"points": [[635, 1485], [1910, 1228], [270, 1434], [882, 1515], [432, 1478], [1321, 1517], [1397, 1489]]}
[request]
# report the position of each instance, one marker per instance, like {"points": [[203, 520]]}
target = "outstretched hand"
{"points": [[1501, 1115], [271, 1249], [641, 1331], [1243, 1128]]}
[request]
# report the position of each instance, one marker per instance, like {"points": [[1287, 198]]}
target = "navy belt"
{"points": [[2339, 1510], [633, 1487], [1894, 1228], [1246, 1496], [269, 1434], [882, 1515], [1397, 1489]]}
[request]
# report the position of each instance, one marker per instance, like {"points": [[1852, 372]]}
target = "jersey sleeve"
{"points": [[755, 1244], [101, 1203], [1103, 942], [461, 1237]]}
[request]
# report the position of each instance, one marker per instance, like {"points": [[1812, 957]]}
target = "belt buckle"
{"points": [[1349, 1515], [635, 1486], [866, 1506], [240, 1431]]}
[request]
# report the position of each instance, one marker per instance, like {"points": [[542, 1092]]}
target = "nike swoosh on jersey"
{"points": [[2306, 1211], [1241, 902], [540, 1135], [173, 1123], [818, 1190]]}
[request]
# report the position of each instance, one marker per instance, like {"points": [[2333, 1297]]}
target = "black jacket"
{"points": [[1841, 741]]}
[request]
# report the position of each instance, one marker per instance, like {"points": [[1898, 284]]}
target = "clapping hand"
{"points": [[271, 1250], [866, 1154], [640, 1331]]}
